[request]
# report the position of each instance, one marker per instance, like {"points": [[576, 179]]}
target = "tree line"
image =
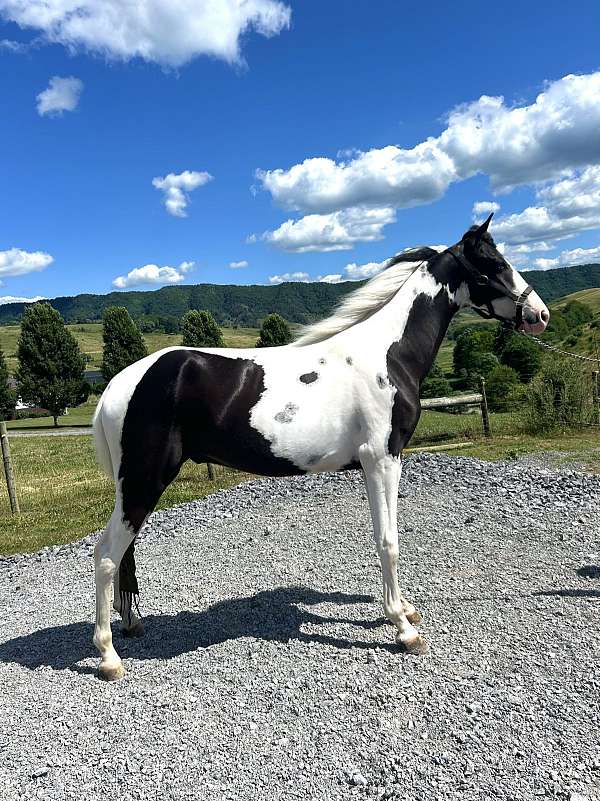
{"points": [[248, 305], [51, 366]]}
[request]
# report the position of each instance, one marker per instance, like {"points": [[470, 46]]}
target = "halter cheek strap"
{"points": [[484, 280]]}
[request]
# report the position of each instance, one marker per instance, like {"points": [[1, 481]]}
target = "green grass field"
{"points": [[64, 496], [89, 337]]}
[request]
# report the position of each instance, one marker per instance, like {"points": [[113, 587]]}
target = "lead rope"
{"points": [[558, 350]]}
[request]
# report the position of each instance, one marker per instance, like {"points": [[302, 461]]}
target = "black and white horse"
{"points": [[344, 395]]}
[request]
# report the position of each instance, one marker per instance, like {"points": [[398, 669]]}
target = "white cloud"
{"points": [[153, 274], [356, 272], [302, 278], [568, 258], [14, 47], [168, 32], [21, 262], [518, 145], [61, 95], [4, 299], [333, 278], [483, 208], [565, 208], [238, 265], [176, 189], [328, 232]]}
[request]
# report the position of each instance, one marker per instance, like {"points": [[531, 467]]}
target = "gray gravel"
{"points": [[267, 672]]}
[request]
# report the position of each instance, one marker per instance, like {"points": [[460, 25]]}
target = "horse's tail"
{"points": [[103, 456]]}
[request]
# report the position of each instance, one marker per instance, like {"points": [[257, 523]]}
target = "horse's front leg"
{"points": [[382, 476]]}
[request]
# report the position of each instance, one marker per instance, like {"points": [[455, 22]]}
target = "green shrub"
{"points": [[523, 355], [560, 396], [435, 385], [501, 385]]}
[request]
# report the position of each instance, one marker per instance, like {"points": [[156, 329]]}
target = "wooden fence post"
{"points": [[8, 471], [485, 417], [595, 396], [212, 475]]}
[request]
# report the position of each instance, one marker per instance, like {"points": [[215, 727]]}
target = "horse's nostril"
{"points": [[545, 315]]}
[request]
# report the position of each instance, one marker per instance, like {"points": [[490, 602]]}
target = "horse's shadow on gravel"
{"points": [[274, 615]]}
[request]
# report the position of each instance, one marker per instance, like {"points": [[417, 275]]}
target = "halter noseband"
{"points": [[483, 280]]}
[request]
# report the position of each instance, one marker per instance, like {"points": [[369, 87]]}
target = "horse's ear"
{"points": [[476, 232]]}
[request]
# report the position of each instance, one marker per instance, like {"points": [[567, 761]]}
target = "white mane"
{"points": [[361, 304]]}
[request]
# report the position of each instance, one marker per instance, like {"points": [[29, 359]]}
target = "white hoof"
{"points": [[416, 645], [111, 671]]}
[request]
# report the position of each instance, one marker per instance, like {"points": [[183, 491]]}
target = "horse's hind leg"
{"points": [[108, 553]]}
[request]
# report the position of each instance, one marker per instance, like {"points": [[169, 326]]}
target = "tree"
{"points": [[523, 355], [123, 342], [7, 396], [500, 386], [435, 385], [469, 346], [200, 330], [50, 372], [274, 331]]}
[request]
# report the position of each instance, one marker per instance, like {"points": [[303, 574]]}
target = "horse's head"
{"points": [[495, 289]]}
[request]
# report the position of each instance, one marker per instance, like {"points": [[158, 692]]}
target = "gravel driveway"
{"points": [[267, 671]]}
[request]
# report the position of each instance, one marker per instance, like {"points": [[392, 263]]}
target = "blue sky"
{"points": [[309, 139]]}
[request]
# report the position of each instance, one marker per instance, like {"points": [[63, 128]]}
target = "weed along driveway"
{"points": [[267, 671]]}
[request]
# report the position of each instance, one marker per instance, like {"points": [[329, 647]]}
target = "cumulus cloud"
{"points": [[329, 232], [20, 262], [302, 278], [153, 274], [4, 299], [564, 208], [568, 258], [168, 32], [238, 265], [176, 189], [356, 272], [483, 208], [333, 278], [61, 95], [513, 145]]}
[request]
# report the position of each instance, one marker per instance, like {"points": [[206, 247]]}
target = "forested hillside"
{"points": [[248, 305]]}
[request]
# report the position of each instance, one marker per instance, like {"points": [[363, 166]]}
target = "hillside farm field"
{"points": [[89, 337]]}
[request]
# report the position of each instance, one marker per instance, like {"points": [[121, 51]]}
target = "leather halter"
{"points": [[484, 280]]}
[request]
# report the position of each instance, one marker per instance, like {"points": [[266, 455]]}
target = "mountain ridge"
{"points": [[248, 304]]}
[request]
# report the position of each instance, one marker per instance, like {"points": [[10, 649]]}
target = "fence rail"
{"points": [[474, 399]]}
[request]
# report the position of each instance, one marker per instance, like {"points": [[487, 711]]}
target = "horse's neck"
{"points": [[414, 322]]}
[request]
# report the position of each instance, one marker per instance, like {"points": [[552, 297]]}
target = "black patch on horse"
{"points": [[410, 359], [308, 378], [191, 405]]}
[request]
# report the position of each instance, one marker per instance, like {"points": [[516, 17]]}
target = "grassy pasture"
{"points": [[63, 495], [89, 337]]}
